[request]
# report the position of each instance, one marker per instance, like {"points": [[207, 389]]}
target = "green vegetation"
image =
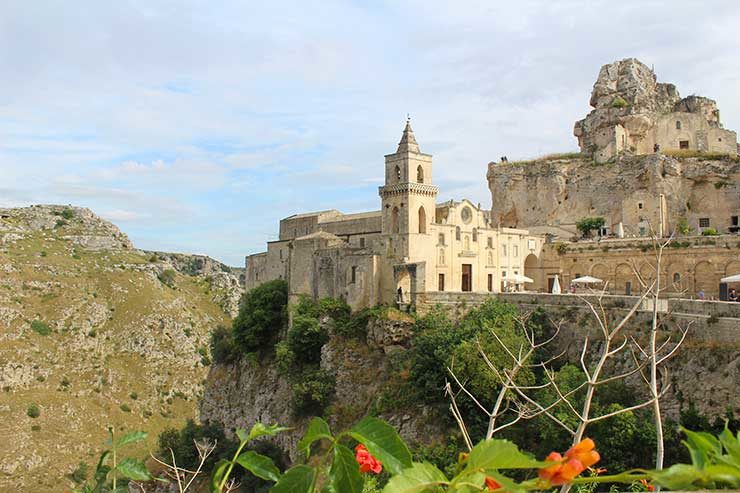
{"points": [[682, 226], [167, 277], [181, 443], [223, 347], [33, 411], [262, 315], [68, 214], [549, 157], [619, 102], [40, 328], [710, 232], [709, 156], [79, 475], [587, 225], [722, 184], [113, 472]]}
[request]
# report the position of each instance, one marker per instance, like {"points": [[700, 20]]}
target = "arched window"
{"points": [[394, 220], [475, 234], [676, 278], [422, 220], [457, 233], [420, 174], [398, 173], [441, 256]]}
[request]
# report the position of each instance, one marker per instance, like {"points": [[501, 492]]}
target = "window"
{"points": [[398, 173], [676, 278], [503, 250], [441, 285], [503, 274], [475, 234], [422, 221], [678, 125], [516, 250], [362, 242], [281, 254], [734, 220], [703, 222], [354, 274], [441, 256], [683, 144], [639, 205], [420, 174], [457, 233], [490, 282], [441, 239], [489, 242], [642, 231]]}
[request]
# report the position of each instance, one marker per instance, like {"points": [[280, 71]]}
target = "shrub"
{"points": [[204, 359], [134, 395], [125, 408], [68, 214], [181, 443], [167, 277], [710, 232], [223, 348], [587, 224], [262, 314], [33, 411], [561, 248], [60, 223], [40, 328], [313, 392], [35, 427], [619, 102], [305, 338], [284, 358], [79, 475]]}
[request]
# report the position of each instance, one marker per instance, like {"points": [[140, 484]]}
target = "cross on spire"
{"points": [[408, 141]]}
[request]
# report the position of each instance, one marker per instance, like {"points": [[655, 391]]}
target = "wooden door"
{"points": [[467, 277]]}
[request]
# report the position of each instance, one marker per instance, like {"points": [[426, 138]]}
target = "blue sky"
{"points": [[195, 126]]}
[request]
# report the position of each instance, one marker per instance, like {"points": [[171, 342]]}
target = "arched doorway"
{"points": [[533, 271]]}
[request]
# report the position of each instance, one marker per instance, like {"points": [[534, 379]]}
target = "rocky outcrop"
{"points": [[557, 193]]}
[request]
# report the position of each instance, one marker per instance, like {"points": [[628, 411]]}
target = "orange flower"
{"points": [[647, 485], [367, 462], [584, 452], [492, 484]]}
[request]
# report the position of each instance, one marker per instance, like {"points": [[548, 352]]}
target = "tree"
{"points": [[587, 224], [262, 314]]}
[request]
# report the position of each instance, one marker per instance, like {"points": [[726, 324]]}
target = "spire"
{"points": [[408, 141]]}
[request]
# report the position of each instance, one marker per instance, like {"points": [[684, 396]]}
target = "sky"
{"points": [[195, 126]]}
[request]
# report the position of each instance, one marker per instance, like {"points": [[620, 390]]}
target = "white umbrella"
{"points": [[517, 279], [735, 278], [556, 285], [586, 280]]}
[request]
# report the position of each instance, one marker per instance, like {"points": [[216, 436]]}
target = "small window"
{"points": [[734, 220], [676, 278], [441, 239], [703, 222], [683, 144], [354, 274], [398, 173], [490, 242], [457, 233], [516, 250], [642, 231], [503, 273], [441, 286], [362, 242], [719, 140], [503, 250], [490, 282], [639, 205], [678, 125], [475, 234], [420, 174]]}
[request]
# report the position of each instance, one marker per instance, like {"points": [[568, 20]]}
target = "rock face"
{"points": [[633, 113], [92, 335], [553, 195]]}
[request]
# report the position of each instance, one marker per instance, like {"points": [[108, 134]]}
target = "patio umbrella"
{"points": [[556, 286], [517, 279], [735, 278], [586, 280]]}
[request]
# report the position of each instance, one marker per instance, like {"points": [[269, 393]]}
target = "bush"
{"points": [[167, 277], [33, 411], [60, 223], [79, 475], [223, 348], [181, 443], [40, 328], [284, 358], [312, 392], [588, 224], [125, 408], [305, 338], [619, 102], [262, 314], [710, 232], [68, 214]]}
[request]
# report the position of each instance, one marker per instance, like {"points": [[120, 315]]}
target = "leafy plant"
{"points": [[40, 328], [262, 315], [619, 102], [588, 224], [710, 232], [68, 214], [167, 277], [33, 411]]}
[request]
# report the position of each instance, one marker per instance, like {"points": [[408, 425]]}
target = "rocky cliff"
{"points": [[94, 333], [559, 192]]}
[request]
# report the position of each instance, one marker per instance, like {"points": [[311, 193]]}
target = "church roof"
{"points": [[408, 140]]}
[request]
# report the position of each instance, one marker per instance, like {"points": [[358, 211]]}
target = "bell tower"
{"points": [[408, 198]]}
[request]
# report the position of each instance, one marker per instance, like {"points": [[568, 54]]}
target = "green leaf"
{"points": [[259, 430], [725, 474], [701, 446], [298, 479], [133, 437], [499, 454], [345, 472], [259, 465], [218, 475], [731, 444], [678, 477], [383, 443], [103, 458], [133, 469], [420, 477], [317, 429]]}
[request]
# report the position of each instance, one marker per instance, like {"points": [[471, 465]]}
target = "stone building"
{"points": [[410, 246], [635, 113]]}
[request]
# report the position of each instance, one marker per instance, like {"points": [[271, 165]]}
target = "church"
{"points": [[412, 246]]}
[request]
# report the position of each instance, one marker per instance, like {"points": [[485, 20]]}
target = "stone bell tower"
{"points": [[408, 198]]}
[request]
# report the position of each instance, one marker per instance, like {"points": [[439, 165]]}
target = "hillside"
{"points": [[95, 333]]}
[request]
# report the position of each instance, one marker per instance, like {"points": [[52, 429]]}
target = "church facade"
{"points": [[411, 246]]}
